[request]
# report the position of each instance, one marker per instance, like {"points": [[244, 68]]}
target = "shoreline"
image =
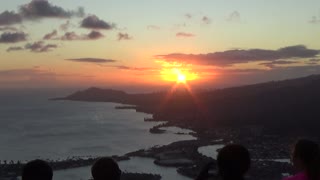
{"points": [[184, 155], [252, 115], [12, 169]]}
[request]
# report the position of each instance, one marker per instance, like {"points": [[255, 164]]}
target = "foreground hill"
{"points": [[288, 105]]}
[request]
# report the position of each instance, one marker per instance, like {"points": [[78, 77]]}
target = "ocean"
{"points": [[32, 126]]}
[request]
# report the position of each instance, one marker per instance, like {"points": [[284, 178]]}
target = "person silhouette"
{"points": [[233, 162], [306, 160], [105, 169], [37, 170]]}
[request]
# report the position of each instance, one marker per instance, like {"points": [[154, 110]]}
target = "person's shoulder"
{"points": [[299, 176]]}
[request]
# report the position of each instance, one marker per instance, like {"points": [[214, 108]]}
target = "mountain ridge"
{"points": [[293, 103]]}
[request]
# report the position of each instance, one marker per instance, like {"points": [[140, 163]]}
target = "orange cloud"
{"points": [[184, 34]]}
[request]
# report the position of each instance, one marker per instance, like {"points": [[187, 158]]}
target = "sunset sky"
{"points": [[151, 43]]}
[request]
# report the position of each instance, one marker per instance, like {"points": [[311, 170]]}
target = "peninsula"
{"points": [[267, 118]]}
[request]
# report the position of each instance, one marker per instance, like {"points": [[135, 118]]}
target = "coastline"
{"points": [[183, 155], [264, 144], [12, 168]]}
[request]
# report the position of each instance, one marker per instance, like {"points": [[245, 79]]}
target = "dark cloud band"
{"points": [[93, 22], [230, 57], [16, 48], [40, 46], [71, 36], [36, 47], [42, 8], [91, 60], [14, 37], [9, 18]]}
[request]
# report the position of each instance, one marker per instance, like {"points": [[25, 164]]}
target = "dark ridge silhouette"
{"points": [[96, 94], [289, 105]]}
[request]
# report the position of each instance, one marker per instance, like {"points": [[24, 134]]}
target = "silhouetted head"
{"points": [[233, 161], [305, 156], [37, 170], [105, 169]]}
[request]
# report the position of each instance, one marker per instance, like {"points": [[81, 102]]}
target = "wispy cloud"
{"points": [[225, 77], [206, 20], [50, 35], [135, 68], [72, 36], [273, 64], [235, 71], [124, 36], [14, 37], [8, 28], [15, 48], [36, 47], [230, 57], [91, 60], [153, 27], [184, 34], [93, 22], [65, 26], [179, 26], [21, 72], [188, 16], [39, 76], [40, 47], [314, 60], [36, 71], [314, 20], [234, 17]]}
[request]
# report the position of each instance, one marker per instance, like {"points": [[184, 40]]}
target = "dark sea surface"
{"points": [[31, 126]]}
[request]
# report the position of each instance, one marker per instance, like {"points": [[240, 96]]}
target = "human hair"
{"points": [[308, 153], [233, 161], [37, 170], [105, 169]]}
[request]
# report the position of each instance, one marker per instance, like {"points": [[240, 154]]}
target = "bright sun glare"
{"points": [[181, 78], [178, 75]]}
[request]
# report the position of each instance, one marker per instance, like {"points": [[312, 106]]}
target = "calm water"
{"points": [[136, 164], [32, 127], [211, 150]]}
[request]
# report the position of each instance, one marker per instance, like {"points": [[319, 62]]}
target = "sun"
{"points": [[181, 78], [178, 75]]}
